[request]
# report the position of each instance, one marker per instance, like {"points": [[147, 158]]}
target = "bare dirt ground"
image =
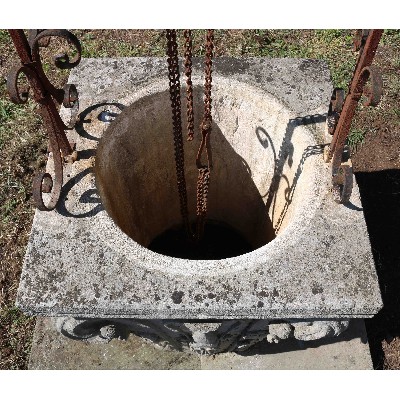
{"points": [[377, 166], [376, 162]]}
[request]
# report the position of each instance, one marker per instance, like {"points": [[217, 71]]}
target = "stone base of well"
{"points": [[318, 273], [203, 337], [52, 350]]}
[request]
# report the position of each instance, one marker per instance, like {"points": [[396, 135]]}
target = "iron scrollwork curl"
{"points": [[47, 95]]}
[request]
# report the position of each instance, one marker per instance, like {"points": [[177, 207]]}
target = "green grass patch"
{"points": [[13, 119], [333, 45], [8, 110], [13, 316], [355, 138], [391, 37], [5, 39], [14, 326]]}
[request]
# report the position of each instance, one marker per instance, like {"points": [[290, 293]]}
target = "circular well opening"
{"points": [[247, 206]]}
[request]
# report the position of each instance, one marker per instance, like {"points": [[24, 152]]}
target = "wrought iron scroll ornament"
{"points": [[341, 111], [340, 114], [46, 95]]}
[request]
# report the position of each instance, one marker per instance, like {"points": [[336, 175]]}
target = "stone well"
{"points": [[253, 140], [309, 268]]}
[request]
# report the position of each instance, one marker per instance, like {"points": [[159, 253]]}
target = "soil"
{"points": [[377, 170]]}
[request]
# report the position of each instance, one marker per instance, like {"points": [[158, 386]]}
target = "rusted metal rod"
{"points": [[363, 72], [355, 91], [46, 95]]}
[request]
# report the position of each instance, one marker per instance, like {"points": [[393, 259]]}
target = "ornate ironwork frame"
{"points": [[46, 95], [340, 114]]}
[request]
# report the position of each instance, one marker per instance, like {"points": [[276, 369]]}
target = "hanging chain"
{"points": [[189, 90], [203, 180], [175, 96]]}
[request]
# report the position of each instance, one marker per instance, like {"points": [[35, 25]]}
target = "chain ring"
{"points": [[175, 96]]}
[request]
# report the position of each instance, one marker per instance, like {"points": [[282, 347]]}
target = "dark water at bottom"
{"points": [[219, 241]]}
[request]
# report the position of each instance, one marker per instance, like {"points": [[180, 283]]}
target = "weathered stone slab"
{"points": [[80, 264], [51, 350]]}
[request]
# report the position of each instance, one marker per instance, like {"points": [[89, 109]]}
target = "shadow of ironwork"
{"points": [[89, 196], [352, 206], [285, 155], [82, 120], [289, 191]]}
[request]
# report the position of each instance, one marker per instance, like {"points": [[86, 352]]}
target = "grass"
{"points": [[355, 138], [21, 138], [391, 37], [334, 46], [14, 325], [23, 141]]}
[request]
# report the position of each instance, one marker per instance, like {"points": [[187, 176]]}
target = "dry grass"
{"points": [[391, 349]]}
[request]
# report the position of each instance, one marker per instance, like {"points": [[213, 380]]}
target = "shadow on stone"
{"points": [[285, 155], [93, 113], [89, 196], [355, 330]]}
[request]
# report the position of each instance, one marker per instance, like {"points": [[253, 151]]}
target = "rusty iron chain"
{"points": [[175, 97], [189, 83], [203, 180]]}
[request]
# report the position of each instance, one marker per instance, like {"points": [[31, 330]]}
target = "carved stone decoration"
{"points": [[202, 337], [318, 329]]}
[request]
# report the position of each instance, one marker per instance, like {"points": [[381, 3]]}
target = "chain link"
{"points": [[203, 180], [189, 90], [175, 96]]}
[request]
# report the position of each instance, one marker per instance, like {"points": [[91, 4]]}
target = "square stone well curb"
{"points": [[79, 264]]}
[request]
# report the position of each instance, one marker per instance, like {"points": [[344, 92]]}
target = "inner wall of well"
{"points": [[252, 139]]}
